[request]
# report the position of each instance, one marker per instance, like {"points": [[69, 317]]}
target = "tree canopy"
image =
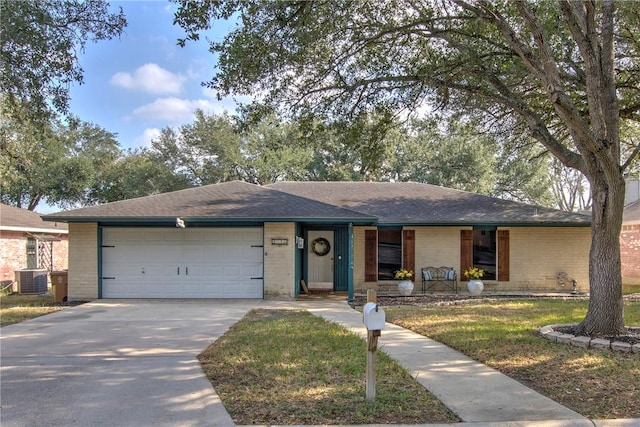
{"points": [[53, 162], [134, 173], [263, 149], [41, 42], [565, 71]]}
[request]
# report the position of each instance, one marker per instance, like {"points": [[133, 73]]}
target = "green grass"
{"points": [[628, 289], [18, 308], [503, 335], [290, 367], [278, 367]]}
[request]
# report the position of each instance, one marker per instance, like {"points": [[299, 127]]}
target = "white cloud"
{"points": [[228, 103], [150, 78], [147, 136], [176, 110], [209, 93]]}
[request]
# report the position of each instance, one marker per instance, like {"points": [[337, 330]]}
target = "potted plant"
{"points": [[405, 286], [475, 285]]}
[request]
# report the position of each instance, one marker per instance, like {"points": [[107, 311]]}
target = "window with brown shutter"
{"points": [[466, 251], [386, 251], [503, 255], [485, 248], [370, 256], [409, 250]]}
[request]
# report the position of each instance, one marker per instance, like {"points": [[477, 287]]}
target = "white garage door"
{"points": [[182, 263]]}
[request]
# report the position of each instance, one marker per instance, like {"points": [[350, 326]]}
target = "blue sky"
{"points": [[143, 81]]}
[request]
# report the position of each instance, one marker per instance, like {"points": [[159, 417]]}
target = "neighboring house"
{"points": [[240, 240], [630, 235], [28, 242]]}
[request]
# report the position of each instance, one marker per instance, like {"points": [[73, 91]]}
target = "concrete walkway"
{"points": [[473, 391], [480, 396], [133, 363]]}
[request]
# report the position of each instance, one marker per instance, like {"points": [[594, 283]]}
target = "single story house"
{"points": [[29, 243], [240, 240]]}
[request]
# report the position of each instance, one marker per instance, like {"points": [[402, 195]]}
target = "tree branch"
{"points": [[631, 158]]}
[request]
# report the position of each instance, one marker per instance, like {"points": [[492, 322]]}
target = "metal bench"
{"points": [[432, 276]]}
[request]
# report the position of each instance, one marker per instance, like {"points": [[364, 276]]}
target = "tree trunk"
{"points": [[33, 203], [605, 314]]}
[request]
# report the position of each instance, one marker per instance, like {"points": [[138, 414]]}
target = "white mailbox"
{"points": [[373, 316]]}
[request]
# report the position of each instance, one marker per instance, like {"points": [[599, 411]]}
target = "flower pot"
{"points": [[405, 287], [475, 287]]}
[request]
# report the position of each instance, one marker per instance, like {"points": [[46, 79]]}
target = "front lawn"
{"points": [[17, 308], [504, 335], [290, 367], [628, 289]]}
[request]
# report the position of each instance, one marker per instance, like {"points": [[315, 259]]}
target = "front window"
{"points": [[32, 253], [389, 253], [484, 252]]}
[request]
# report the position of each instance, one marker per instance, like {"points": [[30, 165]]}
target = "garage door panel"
{"points": [[175, 236], [198, 253], [151, 236], [221, 253], [252, 253], [121, 235], [250, 235], [229, 254], [110, 254], [182, 263], [230, 236], [196, 237]]}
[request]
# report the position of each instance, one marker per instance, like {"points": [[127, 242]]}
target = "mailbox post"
{"points": [[373, 317]]}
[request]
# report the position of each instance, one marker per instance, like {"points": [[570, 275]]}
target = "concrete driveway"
{"points": [[115, 363]]}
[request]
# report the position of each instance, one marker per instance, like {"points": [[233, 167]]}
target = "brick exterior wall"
{"points": [[435, 247], [630, 253], [438, 247], [279, 261], [13, 253], [537, 255], [61, 254], [83, 261]]}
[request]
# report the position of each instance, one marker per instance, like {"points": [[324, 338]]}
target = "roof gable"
{"points": [[17, 219], [394, 203], [234, 200]]}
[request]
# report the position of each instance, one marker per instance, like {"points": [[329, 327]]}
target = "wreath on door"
{"points": [[320, 246]]}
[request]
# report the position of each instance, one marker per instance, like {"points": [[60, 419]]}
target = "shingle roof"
{"points": [[417, 203], [358, 202], [12, 218], [224, 201]]}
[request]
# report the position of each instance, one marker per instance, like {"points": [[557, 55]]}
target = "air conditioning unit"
{"points": [[32, 281]]}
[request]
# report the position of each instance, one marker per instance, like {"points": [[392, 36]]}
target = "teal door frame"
{"points": [[342, 253]]}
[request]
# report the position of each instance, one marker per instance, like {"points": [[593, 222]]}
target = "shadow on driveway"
{"points": [[115, 362]]}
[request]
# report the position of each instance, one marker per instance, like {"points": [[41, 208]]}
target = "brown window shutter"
{"points": [[466, 251], [370, 255], [409, 250], [503, 255]]}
